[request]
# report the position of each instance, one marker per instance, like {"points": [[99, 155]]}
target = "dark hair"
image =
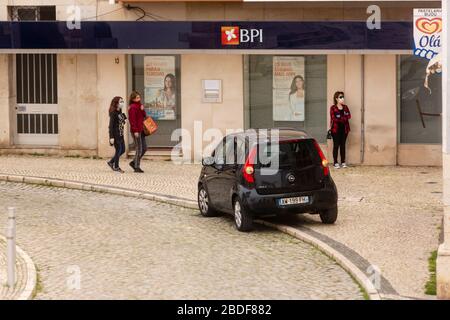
{"points": [[294, 86], [133, 96], [172, 79], [336, 95], [114, 103]]}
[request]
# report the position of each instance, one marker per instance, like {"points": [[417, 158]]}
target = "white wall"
{"points": [[226, 115], [77, 101], [111, 82], [443, 260]]}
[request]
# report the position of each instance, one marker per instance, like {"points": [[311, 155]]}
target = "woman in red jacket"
{"points": [[340, 127], [137, 115]]}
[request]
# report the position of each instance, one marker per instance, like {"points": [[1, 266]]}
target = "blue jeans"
{"points": [[119, 145]]}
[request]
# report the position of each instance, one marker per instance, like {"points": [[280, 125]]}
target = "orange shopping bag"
{"points": [[150, 126]]}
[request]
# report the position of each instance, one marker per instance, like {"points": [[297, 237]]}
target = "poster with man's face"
{"points": [[160, 89], [288, 88]]}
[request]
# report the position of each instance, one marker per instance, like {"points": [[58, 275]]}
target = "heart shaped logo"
{"points": [[429, 26]]}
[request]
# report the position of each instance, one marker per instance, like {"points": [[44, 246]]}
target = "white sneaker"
{"points": [[337, 166], [344, 165]]}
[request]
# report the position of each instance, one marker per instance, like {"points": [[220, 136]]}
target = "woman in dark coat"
{"points": [[340, 127], [117, 120]]}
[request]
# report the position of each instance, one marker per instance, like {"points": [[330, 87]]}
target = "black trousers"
{"points": [[141, 148], [339, 140]]}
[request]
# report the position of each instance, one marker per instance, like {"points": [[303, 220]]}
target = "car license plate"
{"points": [[294, 200]]}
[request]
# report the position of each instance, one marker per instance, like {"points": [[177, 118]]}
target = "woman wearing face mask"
{"points": [[137, 116], [117, 121], [340, 127]]}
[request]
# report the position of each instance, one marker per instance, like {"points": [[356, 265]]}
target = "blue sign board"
{"points": [[98, 35]]}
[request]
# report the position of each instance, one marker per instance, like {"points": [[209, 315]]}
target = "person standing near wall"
{"points": [[340, 127], [137, 116], [117, 120]]}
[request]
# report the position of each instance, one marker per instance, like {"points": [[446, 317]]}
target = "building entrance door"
{"points": [[36, 109]]}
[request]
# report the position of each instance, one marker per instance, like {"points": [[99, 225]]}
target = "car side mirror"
{"points": [[208, 161]]}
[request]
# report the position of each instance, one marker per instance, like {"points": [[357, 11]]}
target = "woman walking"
{"points": [[117, 121], [340, 127], [137, 116]]}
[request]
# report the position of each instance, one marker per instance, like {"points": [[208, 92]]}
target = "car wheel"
{"points": [[329, 216], [203, 203], [242, 218]]}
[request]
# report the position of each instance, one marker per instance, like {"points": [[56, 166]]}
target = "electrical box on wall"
{"points": [[212, 91]]}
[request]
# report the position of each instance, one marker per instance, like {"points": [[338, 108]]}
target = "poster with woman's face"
{"points": [[288, 88], [160, 87]]}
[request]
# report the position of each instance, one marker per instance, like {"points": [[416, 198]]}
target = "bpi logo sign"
{"points": [[234, 36]]}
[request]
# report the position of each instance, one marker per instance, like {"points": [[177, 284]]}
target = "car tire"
{"points": [[329, 216], [204, 204], [243, 219]]}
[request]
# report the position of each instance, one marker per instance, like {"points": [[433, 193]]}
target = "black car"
{"points": [[259, 173]]}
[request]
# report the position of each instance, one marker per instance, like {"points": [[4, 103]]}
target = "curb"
{"points": [[59, 183], [31, 281], [344, 262]]}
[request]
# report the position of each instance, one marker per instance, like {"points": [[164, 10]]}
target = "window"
{"points": [[32, 13], [230, 150], [157, 79], [219, 153], [225, 151], [420, 107], [287, 91], [240, 151]]}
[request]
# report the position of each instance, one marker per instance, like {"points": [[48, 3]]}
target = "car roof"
{"points": [[283, 133]]}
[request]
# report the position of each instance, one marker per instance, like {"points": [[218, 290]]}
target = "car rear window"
{"points": [[296, 153]]}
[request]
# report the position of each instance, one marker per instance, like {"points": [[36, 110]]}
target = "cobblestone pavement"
{"points": [[128, 248], [389, 215]]}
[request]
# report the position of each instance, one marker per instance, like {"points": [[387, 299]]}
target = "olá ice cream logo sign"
{"points": [[427, 32], [429, 26]]}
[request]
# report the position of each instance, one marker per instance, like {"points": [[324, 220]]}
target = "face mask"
{"points": [[121, 104]]}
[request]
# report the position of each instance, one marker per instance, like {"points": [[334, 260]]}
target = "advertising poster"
{"points": [[288, 88], [427, 32], [160, 90]]}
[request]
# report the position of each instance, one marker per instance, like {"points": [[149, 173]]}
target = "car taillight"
{"points": [[324, 161], [249, 167]]}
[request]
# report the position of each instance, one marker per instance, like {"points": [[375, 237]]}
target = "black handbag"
{"points": [[329, 134]]}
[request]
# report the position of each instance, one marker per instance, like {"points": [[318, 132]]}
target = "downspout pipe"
{"points": [[362, 109]]}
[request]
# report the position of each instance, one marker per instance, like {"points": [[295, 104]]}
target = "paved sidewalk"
{"points": [[388, 215]]}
